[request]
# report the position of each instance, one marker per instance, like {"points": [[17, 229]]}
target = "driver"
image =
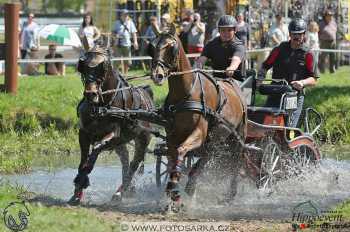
{"points": [[294, 63], [226, 52]]}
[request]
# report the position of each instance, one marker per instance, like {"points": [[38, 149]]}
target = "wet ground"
{"points": [[325, 187]]}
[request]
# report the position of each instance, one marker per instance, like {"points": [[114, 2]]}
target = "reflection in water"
{"points": [[326, 186]]}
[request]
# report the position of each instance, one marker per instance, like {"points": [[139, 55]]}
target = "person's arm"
{"points": [[136, 44], [63, 70], [311, 70], [134, 35], [188, 27], [235, 62], [274, 39], [97, 33], [238, 56], [299, 85], [81, 32], [200, 27], [200, 61]]}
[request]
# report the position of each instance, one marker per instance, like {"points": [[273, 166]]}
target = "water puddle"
{"points": [[326, 187]]}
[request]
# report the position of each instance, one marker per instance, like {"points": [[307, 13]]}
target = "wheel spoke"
{"points": [[274, 164]]}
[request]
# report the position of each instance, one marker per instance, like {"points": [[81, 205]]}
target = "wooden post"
{"points": [[11, 40]]}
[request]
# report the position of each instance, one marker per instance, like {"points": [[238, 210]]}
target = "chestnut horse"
{"points": [[105, 87], [202, 111]]}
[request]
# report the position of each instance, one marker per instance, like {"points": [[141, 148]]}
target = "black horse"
{"points": [[105, 87]]}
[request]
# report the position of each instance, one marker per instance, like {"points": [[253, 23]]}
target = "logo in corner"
{"points": [[18, 222]]}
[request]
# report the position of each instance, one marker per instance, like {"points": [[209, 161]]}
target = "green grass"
{"points": [[54, 218], [331, 97], [39, 125]]}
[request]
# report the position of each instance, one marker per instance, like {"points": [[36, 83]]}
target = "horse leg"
{"points": [[234, 164], [192, 142], [195, 172], [84, 142], [123, 154], [141, 143], [81, 181]]}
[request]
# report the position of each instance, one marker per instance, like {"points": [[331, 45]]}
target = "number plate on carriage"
{"points": [[291, 102]]}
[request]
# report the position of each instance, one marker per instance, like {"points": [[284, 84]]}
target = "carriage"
{"points": [[274, 151]]}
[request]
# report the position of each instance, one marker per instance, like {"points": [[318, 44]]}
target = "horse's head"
{"points": [[164, 51], [93, 66]]}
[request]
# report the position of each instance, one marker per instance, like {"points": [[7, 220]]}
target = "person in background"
{"points": [[196, 34], [242, 30], [88, 30], [312, 41], [149, 35], [327, 37], [188, 16], [57, 68], [123, 30], [183, 35], [29, 37], [32, 69], [278, 32]]}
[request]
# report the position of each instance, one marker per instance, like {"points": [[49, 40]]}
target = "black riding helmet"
{"points": [[297, 26], [227, 21]]}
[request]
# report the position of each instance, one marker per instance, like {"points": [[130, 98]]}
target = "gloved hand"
{"points": [[260, 77]]}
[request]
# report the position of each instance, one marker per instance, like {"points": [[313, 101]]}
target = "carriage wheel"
{"points": [[272, 166], [303, 158], [161, 174]]}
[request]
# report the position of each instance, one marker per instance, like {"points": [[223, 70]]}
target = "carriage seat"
{"points": [[262, 109], [270, 89]]}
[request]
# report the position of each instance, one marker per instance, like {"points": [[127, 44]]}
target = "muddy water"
{"points": [[326, 187]]}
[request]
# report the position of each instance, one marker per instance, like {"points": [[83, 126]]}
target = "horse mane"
{"points": [[183, 60]]}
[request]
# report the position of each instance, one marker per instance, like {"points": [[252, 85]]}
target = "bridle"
{"points": [[159, 62], [91, 76]]}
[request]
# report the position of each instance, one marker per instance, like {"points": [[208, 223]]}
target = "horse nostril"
{"points": [[160, 78]]}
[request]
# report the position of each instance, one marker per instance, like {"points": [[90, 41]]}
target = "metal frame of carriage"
{"points": [[278, 151]]}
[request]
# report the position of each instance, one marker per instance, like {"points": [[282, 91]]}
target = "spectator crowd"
{"points": [[128, 40]]}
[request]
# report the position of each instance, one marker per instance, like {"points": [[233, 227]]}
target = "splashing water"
{"points": [[327, 186]]}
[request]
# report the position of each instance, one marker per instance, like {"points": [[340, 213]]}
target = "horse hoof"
{"points": [[74, 201], [174, 207], [117, 197]]}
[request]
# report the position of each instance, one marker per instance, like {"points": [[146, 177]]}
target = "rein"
{"points": [[195, 71]]}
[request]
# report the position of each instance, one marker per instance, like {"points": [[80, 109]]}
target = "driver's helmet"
{"points": [[297, 26], [227, 21]]}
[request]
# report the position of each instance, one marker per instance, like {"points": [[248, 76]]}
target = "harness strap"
{"points": [[222, 99], [136, 98]]}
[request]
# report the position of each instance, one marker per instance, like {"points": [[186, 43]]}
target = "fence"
{"points": [[74, 60]]}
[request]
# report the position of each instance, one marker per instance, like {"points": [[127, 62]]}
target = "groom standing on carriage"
{"points": [[226, 52]]}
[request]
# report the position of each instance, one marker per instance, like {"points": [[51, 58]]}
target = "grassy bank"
{"points": [[40, 121], [54, 218]]}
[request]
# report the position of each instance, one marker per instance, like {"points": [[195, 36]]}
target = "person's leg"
{"points": [[116, 53], [322, 57], [332, 55], [316, 55], [128, 63], [23, 53], [294, 117]]}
